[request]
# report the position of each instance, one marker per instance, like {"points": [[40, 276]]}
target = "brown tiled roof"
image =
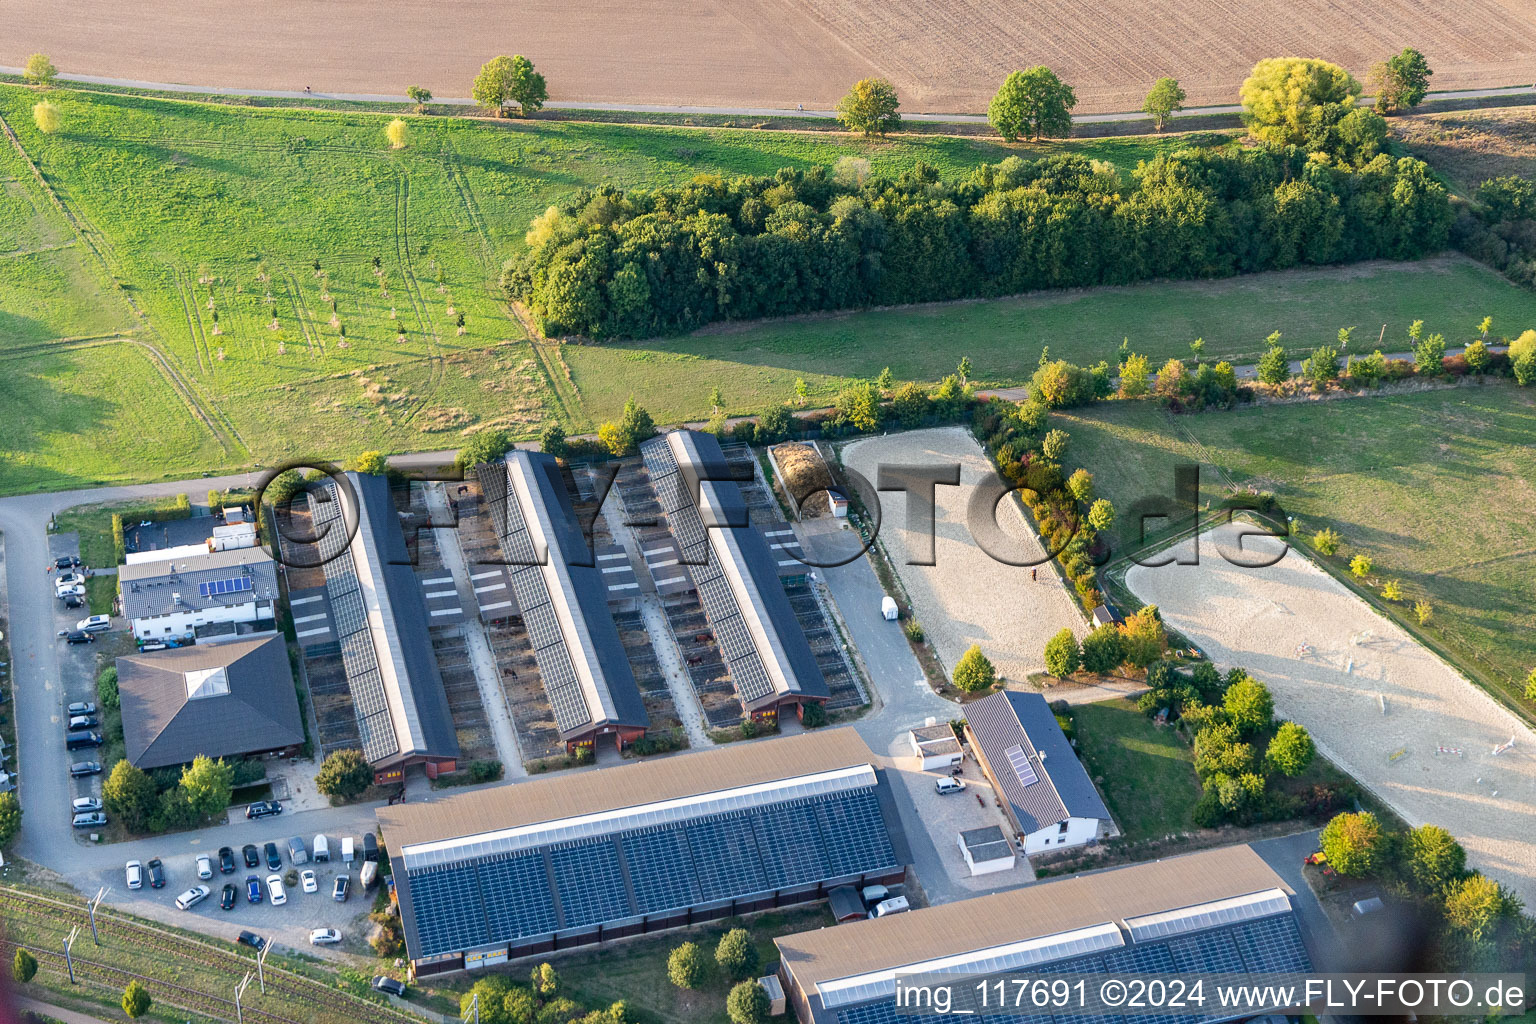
{"points": [[1030, 912], [626, 785]]}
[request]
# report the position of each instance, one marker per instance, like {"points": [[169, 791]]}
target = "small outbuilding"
{"points": [[987, 850], [845, 904], [935, 746]]}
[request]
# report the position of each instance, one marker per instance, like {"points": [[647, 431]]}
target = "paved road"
{"points": [[58, 1013], [661, 108]]}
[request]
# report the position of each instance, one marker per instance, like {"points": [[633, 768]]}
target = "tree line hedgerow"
{"points": [[613, 263]]}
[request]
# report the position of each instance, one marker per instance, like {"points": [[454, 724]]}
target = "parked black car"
{"points": [[82, 740], [274, 859], [251, 939], [226, 861], [66, 562], [390, 985], [251, 854], [370, 846], [156, 873], [76, 636], [227, 900], [80, 768], [262, 808]]}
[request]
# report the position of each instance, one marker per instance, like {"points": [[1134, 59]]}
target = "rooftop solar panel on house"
{"points": [[217, 588], [1021, 765]]}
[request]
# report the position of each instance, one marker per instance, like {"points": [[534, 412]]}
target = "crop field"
{"points": [[1470, 146], [1436, 487], [771, 53]]}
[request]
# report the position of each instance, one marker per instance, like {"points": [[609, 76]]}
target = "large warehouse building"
{"points": [[565, 861], [736, 576], [560, 595], [1218, 911]]}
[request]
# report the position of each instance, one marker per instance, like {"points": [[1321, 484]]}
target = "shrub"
{"points": [[974, 672], [23, 966], [1474, 903], [47, 116], [106, 689], [773, 425], [1360, 566], [1143, 637], [686, 966], [491, 444], [1063, 656], [485, 771], [1327, 541], [913, 629], [398, 133], [747, 1004], [1249, 706], [1422, 611], [1433, 857], [10, 818], [136, 1000], [1220, 751], [813, 715], [736, 954], [1392, 591], [1274, 367]]}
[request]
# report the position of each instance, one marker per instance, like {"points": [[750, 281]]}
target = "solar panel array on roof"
{"points": [[750, 666], [349, 620], [234, 585], [532, 598], [1269, 944], [1021, 766], [645, 870]]}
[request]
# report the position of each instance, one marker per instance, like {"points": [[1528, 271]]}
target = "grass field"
{"points": [[213, 219], [1436, 487], [1468, 147], [1147, 772], [757, 363]]}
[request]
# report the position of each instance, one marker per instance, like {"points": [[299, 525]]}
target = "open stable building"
{"points": [[557, 589], [736, 575], [377, 620], [566, 861], [1218, 911]]}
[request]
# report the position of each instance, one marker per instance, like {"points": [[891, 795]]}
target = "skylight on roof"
{"points": [[206, 682]]}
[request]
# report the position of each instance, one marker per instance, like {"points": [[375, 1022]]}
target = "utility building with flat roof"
{"points": [[736, 576], [1219, 911], [562, 599], [380, 622], [564, 861]]}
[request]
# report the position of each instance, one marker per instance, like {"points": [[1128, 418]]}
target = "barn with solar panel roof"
{"points": [[1215, 912], [569, 860], [1045, 791]]}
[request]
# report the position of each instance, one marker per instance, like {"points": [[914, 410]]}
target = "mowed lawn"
{"points": [[1436, 487], [1146, 772]]}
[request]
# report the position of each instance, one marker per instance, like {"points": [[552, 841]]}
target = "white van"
{"points": [[894, 905], [348, 850], [322, 849]]}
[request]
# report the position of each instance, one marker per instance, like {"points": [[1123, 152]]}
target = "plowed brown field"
{"points": [[944, 55]]}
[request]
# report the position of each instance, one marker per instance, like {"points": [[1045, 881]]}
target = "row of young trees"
{"points": [[611, 263]]}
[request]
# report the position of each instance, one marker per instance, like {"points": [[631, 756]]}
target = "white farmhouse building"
{"points": [[173, 597], [1047, 794]]}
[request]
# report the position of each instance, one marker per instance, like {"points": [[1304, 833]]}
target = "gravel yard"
{"points": [[966, 597], [1358, 661]]}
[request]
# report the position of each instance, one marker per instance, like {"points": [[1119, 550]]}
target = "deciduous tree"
{"points": [[1249, 706], [686, 966], [504, 81], [344, 775], [1163, 100], [47, 116], [1401, 81], [398, 133], [974, 672], [10, 818], [1143, 637], [39, 71], [1353, 843], [486, 445], [870, 107], [1291, 749], [1474, 903], [23, 966], [1063, 656], [129, 794], [1101, 514], [1296, 101], [1034, 104], [1102, 650], [747, 1004], [420, 95], [1433, 857], [736, 954], [207, 784], [369, 463], [1133, 376]]}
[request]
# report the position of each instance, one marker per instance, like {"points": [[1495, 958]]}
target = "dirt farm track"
{"points": [[945, 56]]}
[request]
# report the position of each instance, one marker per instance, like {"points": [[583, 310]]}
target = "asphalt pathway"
{"points": [[658, 108]]}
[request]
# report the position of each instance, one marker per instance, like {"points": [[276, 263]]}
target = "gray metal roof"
{"points": [[250, 705], [153, 588], [381, 622], [987, 843], [1019, 738], [561, 596], [733, 570]]}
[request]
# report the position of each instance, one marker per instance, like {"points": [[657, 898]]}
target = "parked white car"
{"points": [[204, 866], [324, 937], [68, 579], [94, 624], [86, 804], [78, 590], [135, 873], [307, 879], [192, 897], [275, 891]]}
